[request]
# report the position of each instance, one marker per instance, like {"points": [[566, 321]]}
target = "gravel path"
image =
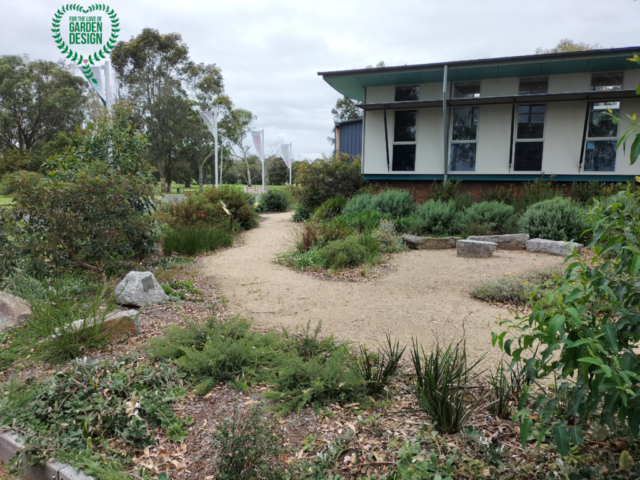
{"points": [[426, 296]]}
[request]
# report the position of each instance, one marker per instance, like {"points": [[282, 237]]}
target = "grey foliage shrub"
{"points": [[492, 217], [344, 253], [394, 203], [554, 219], [435, 217], [359, 203], [330, 209]]}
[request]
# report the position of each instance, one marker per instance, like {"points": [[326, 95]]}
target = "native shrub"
{"points": [[360, 221], [93, 222], [435, 217], [490, 218], [330, 209], [585, 334], [13, 181], [388, 238], [537, 191], [394, 203], [274, 201], [206, 207], [359, 203], [327, 178], [302, 213], [555, 219], [379, 370], [585, 192], [444, 191], [344, 253]]}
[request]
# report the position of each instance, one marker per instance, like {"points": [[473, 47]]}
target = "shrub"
{"points": [[13, 181], [93, 222], [500, 393], [537, 191], [343, 253], [248, 448], [584, 336], [307, 236], [327, 178], [388, 238], [442, 384], [435, 217], [444, 192], [517, 290], [196, 239], [205, 208], [310, 260], [490, 218], [330, 209], [302, 213], [554, 219], [359, 203], [506, 195], [394, 203], [379, 370], [274, 201], [308, 343], [586, 192], [360, 221]]}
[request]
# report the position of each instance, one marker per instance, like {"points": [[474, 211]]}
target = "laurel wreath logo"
{"points": [[97, 56]]}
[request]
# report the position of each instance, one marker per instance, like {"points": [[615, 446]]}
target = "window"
{"points": [[466, 89], [529, 138], [404, 141], [606, 81], [602, 133], [464, 133], [533, 85], [407, 94]]}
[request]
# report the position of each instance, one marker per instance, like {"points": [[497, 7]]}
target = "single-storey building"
{"points": [[498, 120], [348, 137]]}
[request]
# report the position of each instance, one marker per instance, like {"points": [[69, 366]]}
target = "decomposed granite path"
{"points": [[425, 296]]}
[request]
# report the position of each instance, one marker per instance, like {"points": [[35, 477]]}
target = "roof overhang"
{"points": [[352, 82], [608, 96]]}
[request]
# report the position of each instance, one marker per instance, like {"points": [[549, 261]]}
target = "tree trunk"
{"points": [[246, 162]]}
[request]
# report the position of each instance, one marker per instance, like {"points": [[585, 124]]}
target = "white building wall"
{"points": [[499, 87], [631, 79], [430, 145], [381, 94], [569, 82], [375, 160], [431, 91]]}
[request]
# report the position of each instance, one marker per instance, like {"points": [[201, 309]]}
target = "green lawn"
{"points": [[5, 200], [194, 187]]}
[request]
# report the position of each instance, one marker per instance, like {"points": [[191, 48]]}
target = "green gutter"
{"points": [[508, 178]]}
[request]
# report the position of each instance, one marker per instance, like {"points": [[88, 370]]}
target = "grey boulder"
{"points": [[138, 289], [552, 247], [12, 310], [475, 248], [415, 242], [514, 241]]}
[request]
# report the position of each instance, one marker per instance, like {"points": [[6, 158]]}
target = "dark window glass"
{"points": [[600, 122], [404, 158], [528, 157], [600, 156], [466, 89], [405, 94], [463, 157], [405, 126], [465, 123], [531, 121], [530, 86], [606, 81]]}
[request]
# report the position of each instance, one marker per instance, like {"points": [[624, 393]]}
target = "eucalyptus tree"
{"points": [[236, 127]]}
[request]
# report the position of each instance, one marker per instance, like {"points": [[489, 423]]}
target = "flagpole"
{"points": [[262, 142], [215, 124], [290, 161]]}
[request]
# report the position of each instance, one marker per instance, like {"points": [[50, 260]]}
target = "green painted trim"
{"points": [[507, 178]]}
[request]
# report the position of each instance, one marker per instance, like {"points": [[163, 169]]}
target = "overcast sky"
{"points": [[271, 50]]}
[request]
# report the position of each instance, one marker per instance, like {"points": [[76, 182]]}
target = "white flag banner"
{"points": [[211, 121], [286, 154], [257, 143]]}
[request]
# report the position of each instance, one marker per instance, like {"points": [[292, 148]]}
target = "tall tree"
{"points": [[236, 126], [568, 45], [38, 100]]}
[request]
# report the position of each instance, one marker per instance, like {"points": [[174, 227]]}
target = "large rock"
{"points": [[552, 247], [416, 242], [475, 248], [117, 324], [12, 310], [515, 241], [139, 289]]}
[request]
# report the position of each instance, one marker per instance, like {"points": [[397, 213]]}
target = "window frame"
{"points": [[453, 89], [623, 72], [456, 142], [588, 139], [414, 142], [516, 140], [530, 78], [395, 92]]}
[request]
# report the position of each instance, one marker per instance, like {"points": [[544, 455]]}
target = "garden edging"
{"points": [[9, 446]]}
